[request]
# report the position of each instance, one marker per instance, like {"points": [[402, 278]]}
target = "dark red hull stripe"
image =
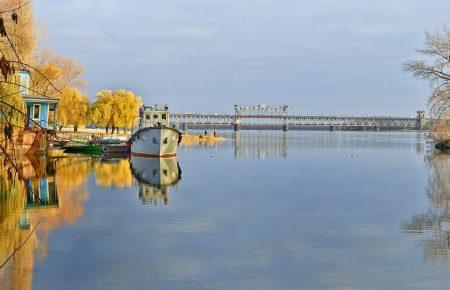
{"points": [[139, 154]]}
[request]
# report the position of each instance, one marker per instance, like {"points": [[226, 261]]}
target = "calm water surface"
{"points": [[262, 210]]}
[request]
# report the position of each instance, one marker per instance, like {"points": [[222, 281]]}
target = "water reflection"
{"points": [[310, 221], [112, 172], [260, 144], [50, 200], [51, 194], [434, 225], [277, 144], [155, 177]]}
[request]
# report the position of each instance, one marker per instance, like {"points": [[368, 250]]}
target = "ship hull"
{"points": [[155, 142]]}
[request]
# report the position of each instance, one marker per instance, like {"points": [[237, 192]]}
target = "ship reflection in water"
{"points": [[71, 211], [155, 176], [52, 193]]}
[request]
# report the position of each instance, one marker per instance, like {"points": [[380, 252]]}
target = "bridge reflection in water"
{"points": [[58, 190], [270, 143]]}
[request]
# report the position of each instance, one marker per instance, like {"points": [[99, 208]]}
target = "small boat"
{"points": [[155, 137], [113, 139], [83, 149], [116, 148]]}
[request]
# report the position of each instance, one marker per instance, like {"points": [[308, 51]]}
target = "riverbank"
{"points": [[200, 139], [87, 134]]}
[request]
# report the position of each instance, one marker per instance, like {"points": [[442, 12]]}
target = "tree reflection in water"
{"points": [[113, 173], [58, 199], [59, 193], [434, 225]]}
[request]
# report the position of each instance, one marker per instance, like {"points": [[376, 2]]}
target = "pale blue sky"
{"points": [[318, 56]]}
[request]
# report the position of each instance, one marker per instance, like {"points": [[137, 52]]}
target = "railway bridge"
{"points": [[265, 116]]}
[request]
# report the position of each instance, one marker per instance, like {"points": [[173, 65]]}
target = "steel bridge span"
{"points": [[278, 117]]}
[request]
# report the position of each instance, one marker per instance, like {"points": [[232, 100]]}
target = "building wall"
{"points": [[43, 115]]}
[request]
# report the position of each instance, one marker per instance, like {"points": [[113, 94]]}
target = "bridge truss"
{"points": [[260, 110], [263, 115]]}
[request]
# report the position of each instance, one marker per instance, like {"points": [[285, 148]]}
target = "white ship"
{"points": [[154, 137]]}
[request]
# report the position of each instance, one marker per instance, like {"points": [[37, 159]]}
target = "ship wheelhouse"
{"points": [[153, 116]]}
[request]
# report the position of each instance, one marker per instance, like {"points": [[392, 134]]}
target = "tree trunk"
{"points": [[107, 129], [60, 128], [75, 128], [112, 129]]}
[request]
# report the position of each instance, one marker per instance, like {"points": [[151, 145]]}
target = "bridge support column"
{"points": [[332, 128], [236, 123], [285, 128], [184, 127], [421, 121]]}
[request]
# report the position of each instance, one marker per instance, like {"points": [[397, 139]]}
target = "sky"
{"points": [[317, 56]]}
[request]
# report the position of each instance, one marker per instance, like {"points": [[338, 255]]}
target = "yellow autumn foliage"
{"points": [[57, 73], [113, 174], [115, 109], [22, 34], [73, 108]]}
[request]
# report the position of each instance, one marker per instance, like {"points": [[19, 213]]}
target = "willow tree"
{"points": [[128, 104], [436, 70], [102, 112], [115, 109], [73, 108]]}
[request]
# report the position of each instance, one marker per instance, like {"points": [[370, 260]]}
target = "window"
{"points": [[163, 116], [155, 116], [36, 112], [147, 116]]}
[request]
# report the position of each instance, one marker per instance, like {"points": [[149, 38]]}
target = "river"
{"points": [[260, 210]]}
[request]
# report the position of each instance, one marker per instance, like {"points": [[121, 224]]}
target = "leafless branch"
{"points": [[14, 9]]}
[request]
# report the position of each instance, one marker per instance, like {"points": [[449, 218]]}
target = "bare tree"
{"points": [[436, 70]]}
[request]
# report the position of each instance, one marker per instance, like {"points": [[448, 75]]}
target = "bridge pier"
{"points": [[285, 128], [184, 127], [332, 128], [236, 123], [421, 121]]}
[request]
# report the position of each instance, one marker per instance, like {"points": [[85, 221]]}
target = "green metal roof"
{"points": [[39, 99]]}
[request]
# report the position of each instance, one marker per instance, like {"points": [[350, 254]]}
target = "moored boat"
{"points": [[155, 137], [89, 149]]}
